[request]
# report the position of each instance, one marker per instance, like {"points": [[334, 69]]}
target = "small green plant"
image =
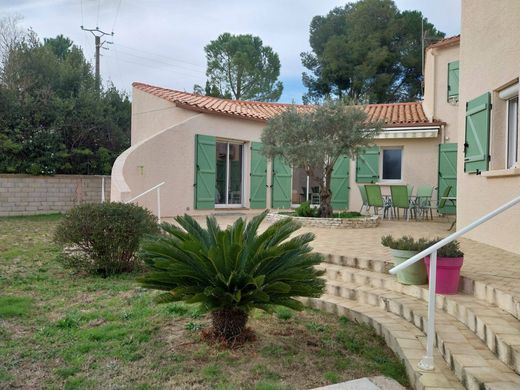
{"points": [[405, 243], [230, 272], [347, 214], [104, 238], [284, 314], [331, 377], [194, 326], [449, 250], [306, 210], [11, 306]]}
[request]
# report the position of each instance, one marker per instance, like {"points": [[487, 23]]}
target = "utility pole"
{"points": [[98, 34]]}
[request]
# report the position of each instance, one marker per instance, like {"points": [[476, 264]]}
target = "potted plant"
{"points": [[402, 249], [449, 262]]}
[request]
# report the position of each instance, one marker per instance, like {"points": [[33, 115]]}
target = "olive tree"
{"points": [[314, 137]]}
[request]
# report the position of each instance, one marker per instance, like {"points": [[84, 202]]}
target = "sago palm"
{"points": [[230, 271]]}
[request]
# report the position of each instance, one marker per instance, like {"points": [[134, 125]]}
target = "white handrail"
{"points": [[158, 188], [427, 361]]}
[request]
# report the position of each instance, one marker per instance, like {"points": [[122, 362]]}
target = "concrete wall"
{"points": [[435, 103], [27, 195], [151, 114], [489, 60]]}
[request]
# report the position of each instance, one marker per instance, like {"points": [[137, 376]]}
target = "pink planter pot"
{"points": [[448, 274]]}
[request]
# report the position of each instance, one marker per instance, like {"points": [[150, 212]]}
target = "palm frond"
{"points": [[234, 267]]}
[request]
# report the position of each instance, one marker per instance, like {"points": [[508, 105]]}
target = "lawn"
{"points": [[59, 330]]}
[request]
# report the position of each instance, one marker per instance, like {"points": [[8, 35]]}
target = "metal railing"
{"points": [[158, 188], [426, 362]]}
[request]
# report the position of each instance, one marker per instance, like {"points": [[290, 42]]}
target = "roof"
{"points": [[446, 42], [392, 114]]}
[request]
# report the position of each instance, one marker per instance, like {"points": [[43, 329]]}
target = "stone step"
{"points": [[480, 288], [375, 265], [405, 340], [470, 359], [492, 294], [496, 328]]}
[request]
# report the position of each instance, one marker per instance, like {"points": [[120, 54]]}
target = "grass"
{"points": [[60, 331]]}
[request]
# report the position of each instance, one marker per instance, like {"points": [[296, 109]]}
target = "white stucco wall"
{"points": [[420, 161], [435, 102], [489, 59], [170, 156]]}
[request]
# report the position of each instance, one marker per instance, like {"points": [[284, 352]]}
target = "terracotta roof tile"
{"points": [[393, 114], [446, 42]]}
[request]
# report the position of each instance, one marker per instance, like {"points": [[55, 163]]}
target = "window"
{"points": [[392, 164], [512, 132], [228, 178]]}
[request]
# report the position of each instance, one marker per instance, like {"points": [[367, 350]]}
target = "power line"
{"points": [[194, 77], [161, 55], [195, 71], [82, 22], [117, 14], [98, 5]]}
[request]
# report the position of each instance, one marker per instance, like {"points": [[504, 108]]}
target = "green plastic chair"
{"points": [[375, 199], [410, 190], [423, 200], [443, 200], [364, 199], [401, 200]]}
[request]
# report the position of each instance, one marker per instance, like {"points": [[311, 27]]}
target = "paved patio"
{"points": [[490, 265]]}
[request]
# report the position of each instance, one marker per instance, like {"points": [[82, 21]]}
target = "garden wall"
{"points": [[27, 195], [338, 223]]}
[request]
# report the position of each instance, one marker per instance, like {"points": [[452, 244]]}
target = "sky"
{"points": [[161, 42]]}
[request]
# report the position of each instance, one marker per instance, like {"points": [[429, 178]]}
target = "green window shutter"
{"points": [[339, 183], [447, 174], [453, 81], [205, 171], [367, 165], [258, 181], [476, 147], [282, 184]]}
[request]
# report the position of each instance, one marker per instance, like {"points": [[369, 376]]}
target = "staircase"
{"points": [[477, 343]]}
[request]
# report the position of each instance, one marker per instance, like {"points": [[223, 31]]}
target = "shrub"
{"points": [[305, 210], [231, 271], [449, 250], [104, 238], [347, 214], [405, 243]]}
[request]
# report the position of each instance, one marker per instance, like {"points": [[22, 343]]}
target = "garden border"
{"points": [[333, 223]]}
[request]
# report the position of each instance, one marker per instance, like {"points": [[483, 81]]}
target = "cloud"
{"points": [[162, 42]]}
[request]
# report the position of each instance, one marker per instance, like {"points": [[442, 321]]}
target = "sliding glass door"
{"points": [[229, 174]]}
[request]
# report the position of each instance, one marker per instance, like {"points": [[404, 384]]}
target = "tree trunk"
{"points": [[229, 323], [325, 195]]}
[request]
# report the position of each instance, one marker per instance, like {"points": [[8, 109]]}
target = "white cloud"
{"points": [[161, 42]]}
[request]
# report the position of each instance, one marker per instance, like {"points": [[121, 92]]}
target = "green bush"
{"points": [[306, 210], [231, 271], [347, 214], [449, 250], [404, 243], [104, 238]]}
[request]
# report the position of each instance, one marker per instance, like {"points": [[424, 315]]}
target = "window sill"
{"points": [[390, 182], [501, 173]]}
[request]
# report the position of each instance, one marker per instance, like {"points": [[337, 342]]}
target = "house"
{"points": [[207, 151], [488, 168], [464, 135]]}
